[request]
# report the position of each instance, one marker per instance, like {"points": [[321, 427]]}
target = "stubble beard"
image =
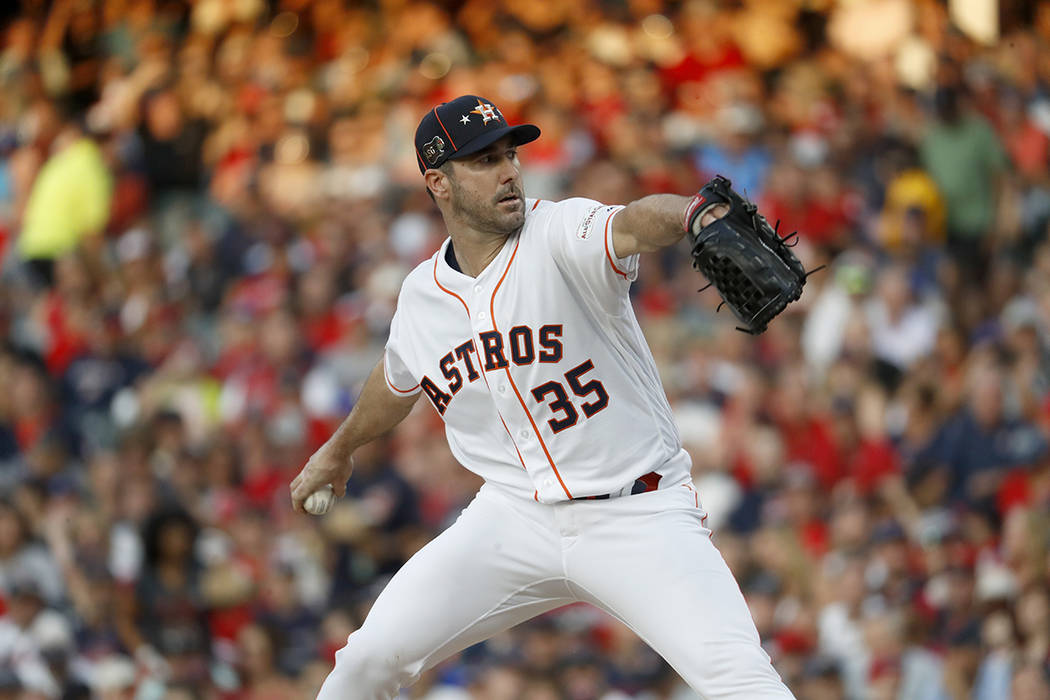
{"points": [[488, 214]]}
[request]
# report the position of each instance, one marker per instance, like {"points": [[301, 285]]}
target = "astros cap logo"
{"points": [[488, 112], [450, 130]]}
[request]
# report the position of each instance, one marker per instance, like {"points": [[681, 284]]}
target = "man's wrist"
{"points": [[342, 445], [343, 452], [692, 207]]}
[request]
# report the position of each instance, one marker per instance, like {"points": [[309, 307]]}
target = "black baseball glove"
{"points": [[744, 257]]}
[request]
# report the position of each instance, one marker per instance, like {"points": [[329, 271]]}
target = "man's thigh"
{"points": [[492, 569], [649, 561]]}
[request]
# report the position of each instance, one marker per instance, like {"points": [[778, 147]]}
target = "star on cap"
{"points": [[465, 119]]}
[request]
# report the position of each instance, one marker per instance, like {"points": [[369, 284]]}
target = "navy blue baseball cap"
{"points": [[463, 126]]}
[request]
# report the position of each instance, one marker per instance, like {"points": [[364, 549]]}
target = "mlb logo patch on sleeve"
{"points": [[595, 214], [584, 229]]}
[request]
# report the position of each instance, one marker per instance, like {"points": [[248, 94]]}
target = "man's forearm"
{"points": [[655, 221], [376, 412]]}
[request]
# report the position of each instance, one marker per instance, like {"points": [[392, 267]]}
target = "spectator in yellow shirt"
{"points": [[69, 201]]}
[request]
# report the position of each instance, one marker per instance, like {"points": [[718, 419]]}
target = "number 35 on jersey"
{"points": [[521, 346]]}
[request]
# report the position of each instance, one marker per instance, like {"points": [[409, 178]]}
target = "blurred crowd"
{"points": [[206, 211]]}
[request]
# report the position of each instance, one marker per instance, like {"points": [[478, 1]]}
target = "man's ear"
{"points": [[437, 182]]}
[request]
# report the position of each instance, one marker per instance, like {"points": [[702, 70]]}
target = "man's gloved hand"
{"points": [[752, 267]]}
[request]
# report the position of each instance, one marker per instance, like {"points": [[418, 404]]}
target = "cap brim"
{"points": [[522, 133]]}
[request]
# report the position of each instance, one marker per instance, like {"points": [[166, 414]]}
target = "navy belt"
{"points": [[643, 484]]}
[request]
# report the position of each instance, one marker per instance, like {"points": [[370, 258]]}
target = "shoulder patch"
{"points": [[584, 229]]}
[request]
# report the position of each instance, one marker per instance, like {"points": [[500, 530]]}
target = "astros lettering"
{"points": [[518, 346]]}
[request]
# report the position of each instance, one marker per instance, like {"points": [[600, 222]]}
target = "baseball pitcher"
{"points": [[520, 333]]}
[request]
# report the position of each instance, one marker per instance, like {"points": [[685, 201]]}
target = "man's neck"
{"points": [[474, 251]]}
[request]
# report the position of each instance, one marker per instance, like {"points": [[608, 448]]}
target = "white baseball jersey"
{"points": [[548, 391], [538, 366]]}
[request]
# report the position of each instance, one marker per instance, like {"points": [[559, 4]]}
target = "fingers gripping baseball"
{"points": [[318, 502], [321, 481]]}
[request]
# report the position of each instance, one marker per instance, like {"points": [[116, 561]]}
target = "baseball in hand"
{"points": [[318, 502]]}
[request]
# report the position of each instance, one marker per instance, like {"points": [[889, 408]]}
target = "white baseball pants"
{"points": [[646, 559]]}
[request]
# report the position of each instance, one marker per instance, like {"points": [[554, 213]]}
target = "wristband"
{"points": [[691, 208]]}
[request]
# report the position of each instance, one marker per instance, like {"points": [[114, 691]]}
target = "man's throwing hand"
{"points": [[326, 466]]}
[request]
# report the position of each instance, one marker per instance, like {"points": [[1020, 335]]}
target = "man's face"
{"points": [[486, 190]]}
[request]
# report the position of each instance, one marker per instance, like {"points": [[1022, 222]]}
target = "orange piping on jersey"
{"points": [[520, 459], [535, 204], [444, 129], [511, 438], [391, 384], [492, 312], [536, 496], [465, 308], [449, 291], [509, 434], [400, 391], [608, 253]]}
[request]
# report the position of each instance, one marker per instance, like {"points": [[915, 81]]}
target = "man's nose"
{"points": [[509, 172]]}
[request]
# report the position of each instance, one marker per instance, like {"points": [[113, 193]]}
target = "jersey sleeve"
{"points": [[399, 377], [580, 232]]}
